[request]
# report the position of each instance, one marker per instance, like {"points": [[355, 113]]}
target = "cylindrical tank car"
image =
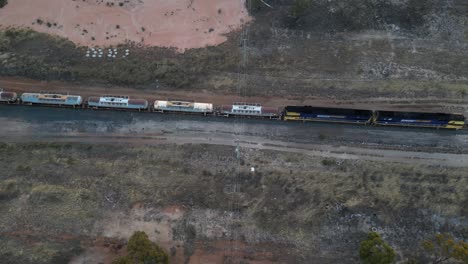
{"points": [[51, 99], [117, 102]]}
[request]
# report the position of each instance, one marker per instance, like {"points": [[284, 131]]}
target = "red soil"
{"points": [[183, 24]]}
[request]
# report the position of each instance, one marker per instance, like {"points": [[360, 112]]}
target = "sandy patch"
{"points": [[156, 223], [118, 227], [183, 24]]}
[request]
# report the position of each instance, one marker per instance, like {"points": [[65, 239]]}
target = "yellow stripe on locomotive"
{"points": [[455, 125], [293, 114]]}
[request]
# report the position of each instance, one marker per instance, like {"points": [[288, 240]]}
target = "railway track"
{"points": [[84, 108], [244, 109], [342, 141]]}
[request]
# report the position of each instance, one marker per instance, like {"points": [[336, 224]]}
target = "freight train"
{"points": [[243, 109]]}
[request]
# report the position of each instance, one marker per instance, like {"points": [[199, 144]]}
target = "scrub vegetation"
{"points": [[71, 196], [375, 250]]}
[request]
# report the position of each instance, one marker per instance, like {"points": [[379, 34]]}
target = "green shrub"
{"points": [[444, 247], [328, 162], [141, 250], [374, 250]]}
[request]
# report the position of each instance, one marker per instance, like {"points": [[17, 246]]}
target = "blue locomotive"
{"points": [[325, 114], [419, 119]]}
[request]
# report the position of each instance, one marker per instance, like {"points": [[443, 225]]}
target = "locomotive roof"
{"points": [[179, 100], [326, 110], [249, 104], [420, 115], [51, 93]]}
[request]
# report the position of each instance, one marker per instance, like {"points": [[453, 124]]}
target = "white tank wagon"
{"points": [[117, 102], [46, 98], [249, 110], [182, 106], [8, 97]]}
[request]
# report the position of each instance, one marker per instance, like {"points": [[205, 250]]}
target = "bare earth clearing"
{"points": [[182, 24]]}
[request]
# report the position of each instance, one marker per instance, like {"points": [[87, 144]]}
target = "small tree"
{"points": [[142, 251], [444, 247], [374, 250], [3, 3]]}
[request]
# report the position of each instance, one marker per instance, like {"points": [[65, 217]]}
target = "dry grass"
{"points": [[58, 189]]}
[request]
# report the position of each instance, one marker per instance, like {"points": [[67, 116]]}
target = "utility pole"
{"points": [[241, 90]]}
